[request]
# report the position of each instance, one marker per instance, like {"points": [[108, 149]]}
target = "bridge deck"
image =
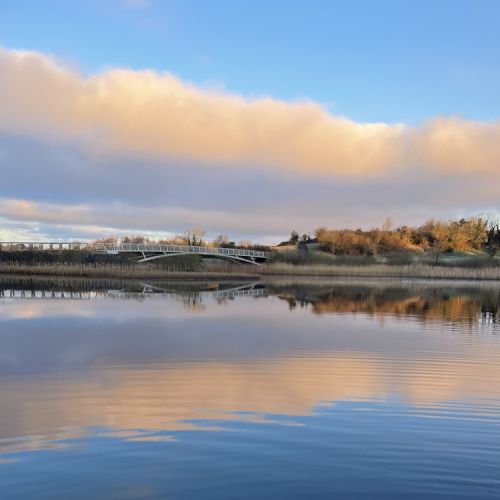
{"points": [[204, 250]]}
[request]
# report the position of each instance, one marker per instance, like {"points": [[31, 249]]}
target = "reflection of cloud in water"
{"points": [[137, 403]]}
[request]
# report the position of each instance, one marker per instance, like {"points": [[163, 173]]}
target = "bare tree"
{"points": [[294, 237], [387, 225], [194, 237], [492, 223], [139, 238], [245, 244], [221, 241], [110, 241], [476, 230]]}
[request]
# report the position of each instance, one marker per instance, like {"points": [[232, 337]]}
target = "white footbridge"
{"points": [[142, 252]]}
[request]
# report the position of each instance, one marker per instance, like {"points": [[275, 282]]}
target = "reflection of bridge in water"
{"points": [[47, 295], [141, 252], [148, 292], [151, 292]]}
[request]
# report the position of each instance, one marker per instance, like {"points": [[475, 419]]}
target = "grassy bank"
{"points": [[246, 272]]}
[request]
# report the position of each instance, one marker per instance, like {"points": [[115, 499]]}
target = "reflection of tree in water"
{"points": [[193, 302], [294, 302], [450, 304]]}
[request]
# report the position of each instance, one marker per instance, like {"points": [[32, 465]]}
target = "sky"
{"points": [[245, 118]]}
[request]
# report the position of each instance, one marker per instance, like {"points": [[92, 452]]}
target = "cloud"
{"points": [[95, 220], [122, 111]]}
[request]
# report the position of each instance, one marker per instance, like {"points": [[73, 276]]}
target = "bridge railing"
{"points": [[130, 247], [12, 246], [151, 247]]}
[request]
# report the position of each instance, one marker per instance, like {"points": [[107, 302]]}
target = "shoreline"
{"points": [[254, 273], [126, 273]]}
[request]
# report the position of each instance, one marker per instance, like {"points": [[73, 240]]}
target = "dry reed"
{"points": [[224, 271], [383, 271], [122, 271]]}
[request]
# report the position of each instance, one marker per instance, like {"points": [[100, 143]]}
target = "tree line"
{"points": [[436, 236]]}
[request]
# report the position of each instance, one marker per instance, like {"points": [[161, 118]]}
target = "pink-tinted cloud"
{"points": [[121, 111]]}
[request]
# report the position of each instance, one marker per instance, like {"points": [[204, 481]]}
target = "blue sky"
{"points": [[254, 117], [386, 60]]}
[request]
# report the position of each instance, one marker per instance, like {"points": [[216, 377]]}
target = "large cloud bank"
{"points": [[146, 112]]}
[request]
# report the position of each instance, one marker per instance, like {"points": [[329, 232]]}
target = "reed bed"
{"points": [[244, 272], [122, 271], [422, 271]]}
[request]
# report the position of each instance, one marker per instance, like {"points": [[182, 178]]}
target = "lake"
{"points": [[312, 389]]}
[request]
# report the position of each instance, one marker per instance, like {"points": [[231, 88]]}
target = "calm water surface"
{"points": [[286, 390]]}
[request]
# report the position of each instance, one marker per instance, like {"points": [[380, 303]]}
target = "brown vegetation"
{"points": [[383, 271], [437, 237], [122, 271], [145, 271], [438, 302]]}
